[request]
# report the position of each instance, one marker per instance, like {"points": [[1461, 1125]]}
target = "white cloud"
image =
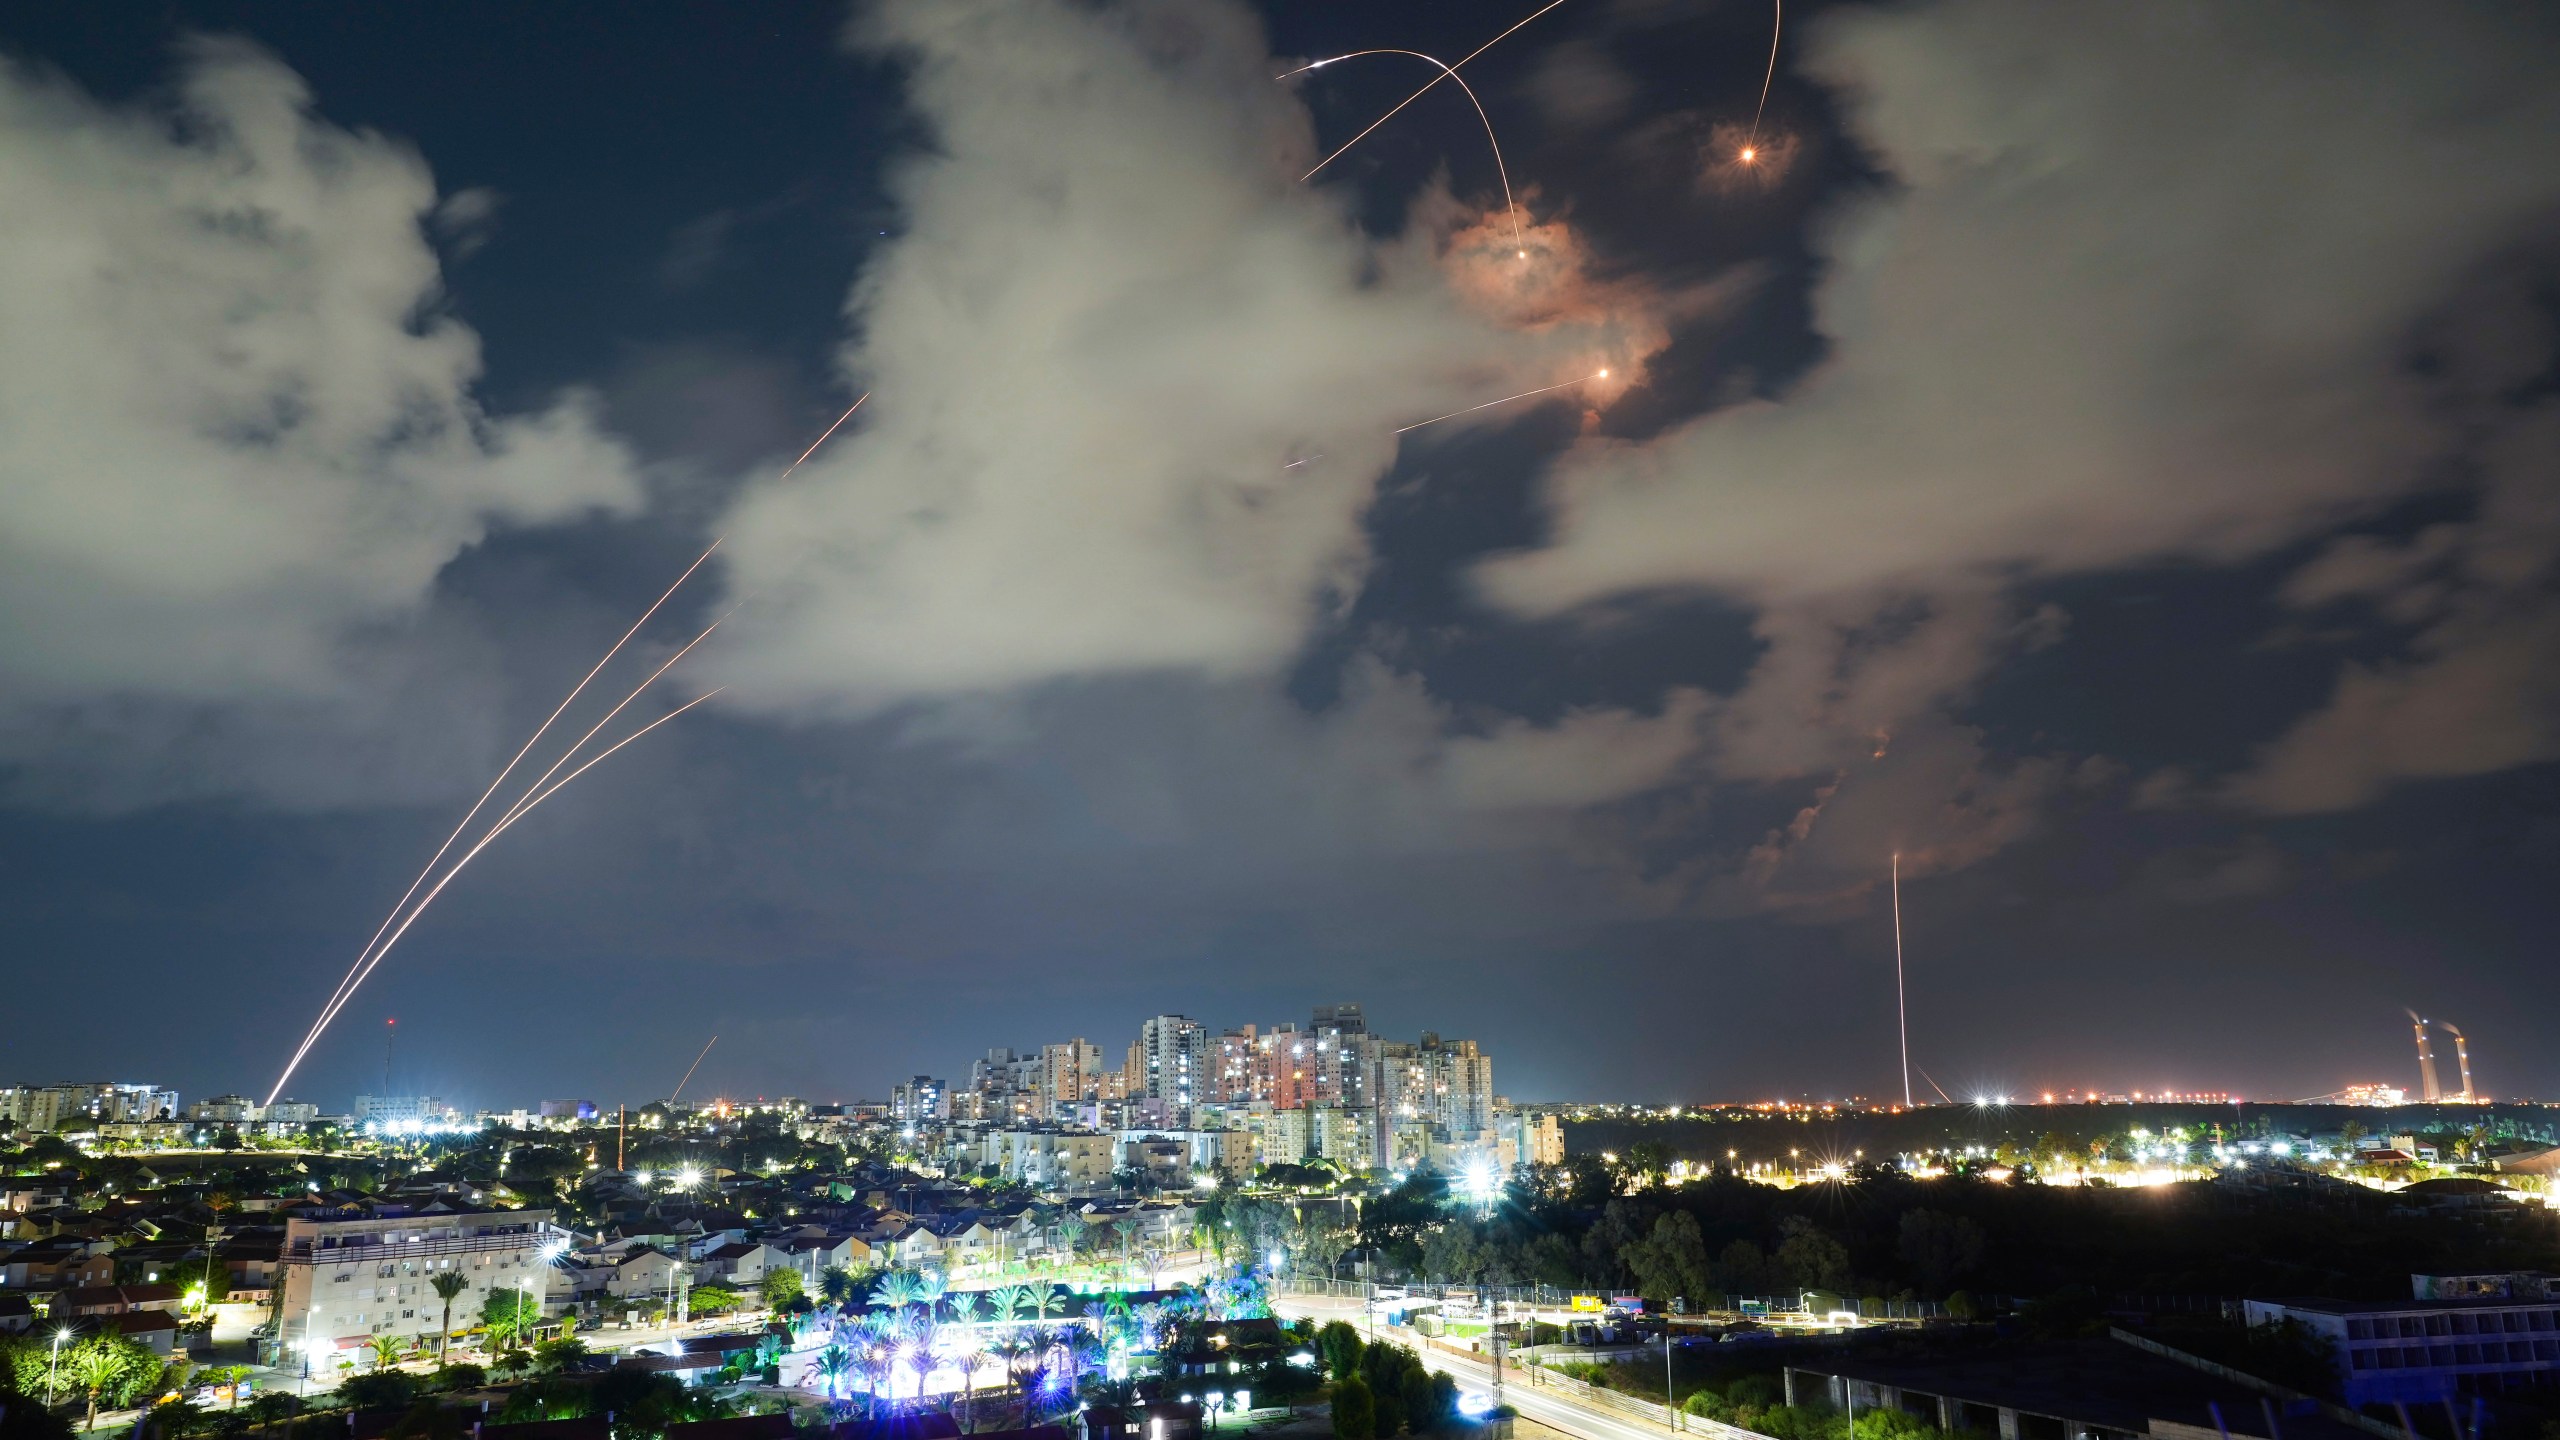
{"points": [[1111, 319], [1587, 757], [234, 430], [2139, 287], [2142, 283]]}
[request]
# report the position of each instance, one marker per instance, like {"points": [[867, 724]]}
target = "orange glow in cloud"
{"points": [[1543, 283]]}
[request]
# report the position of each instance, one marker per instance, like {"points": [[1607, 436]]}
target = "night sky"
{"points": [[2108, 454]]}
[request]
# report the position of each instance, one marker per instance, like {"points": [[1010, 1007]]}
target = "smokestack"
{"points": [[2462, 1053], [2426, 1061]]}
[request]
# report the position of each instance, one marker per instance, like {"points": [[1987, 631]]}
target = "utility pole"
{"points": [[621, 1133]]}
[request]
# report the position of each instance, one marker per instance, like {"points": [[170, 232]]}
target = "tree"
{"points": [[508, 1315], [1450, 1254], [1939, 1248], [447, 1284], [714, 1299], [1741, 1269], [834, 1362], [1812, 1259], [1355, 1411], [835, 1286], [895, 1290], [780, 1287], [553, 1356], [104, 1366], [1672, 1261], [1339, 1345]]}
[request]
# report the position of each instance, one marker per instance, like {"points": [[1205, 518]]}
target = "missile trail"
{"points": [[1448, 72], [494, 832], [465, 823], [1505, 400], [821, 440], [532, 796], [369, 957], [1425, 90], [689, 1069], [1777, 25], [581, 743]]}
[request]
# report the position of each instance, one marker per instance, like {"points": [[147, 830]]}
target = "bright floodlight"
{"points": [[1749, 154], [1479, 1181], [687, 1178]]}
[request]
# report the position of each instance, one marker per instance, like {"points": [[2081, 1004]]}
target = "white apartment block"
{"points": [[42, 1109], [346, 1278], [1051, 1159]]}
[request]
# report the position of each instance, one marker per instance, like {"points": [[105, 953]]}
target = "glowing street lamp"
{"points": [[54, 1363]]}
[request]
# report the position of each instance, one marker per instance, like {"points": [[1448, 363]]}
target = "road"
{"points": [[1547, 1407]]}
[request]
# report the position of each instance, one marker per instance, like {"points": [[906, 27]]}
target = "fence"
{"points": [[1549, 1297], [1601, 1397]]}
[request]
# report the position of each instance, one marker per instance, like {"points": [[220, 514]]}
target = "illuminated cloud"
{"points": [[236, 434], [1110, 320], [2061, 341]]}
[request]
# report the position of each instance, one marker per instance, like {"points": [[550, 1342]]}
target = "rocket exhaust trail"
{"points": [[1505, 400], [367, 958], [1425, 90], [1901, 997], [523, 803], [1777, 24], [494, 832], [689, 1069], [581, 743], [465, 823], [1447, 72]]}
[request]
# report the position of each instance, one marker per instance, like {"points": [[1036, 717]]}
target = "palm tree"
{"points": [[833, 1362], [95, 1365], [930, 1288], [1047, 1300], [447, 1284], [1009, 1301], [973, 1357], [876, 1351], [963, 1306], [896, 1290], [835, 1285], [1072, 1230]]}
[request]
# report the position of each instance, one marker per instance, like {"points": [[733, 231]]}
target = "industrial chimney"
{"points": [[2426, 1061]]}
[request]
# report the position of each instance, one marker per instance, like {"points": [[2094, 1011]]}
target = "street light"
{"points": [[54, 1363]]}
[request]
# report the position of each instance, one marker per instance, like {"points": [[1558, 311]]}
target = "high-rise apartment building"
{"points": [[920, 1101], [1176, 1053], [1070, 1074]]}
